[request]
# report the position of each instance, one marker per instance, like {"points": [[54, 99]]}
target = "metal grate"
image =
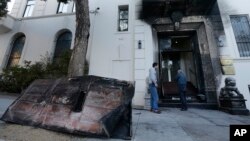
{"points": [[241, 30]]}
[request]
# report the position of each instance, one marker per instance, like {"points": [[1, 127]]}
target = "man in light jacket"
{"points": [[153, 89]]}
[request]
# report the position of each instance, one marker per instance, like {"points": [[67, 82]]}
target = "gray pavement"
{"points": [[171, 125], [5, 101]]}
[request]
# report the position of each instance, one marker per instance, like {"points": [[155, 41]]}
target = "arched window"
{"points": [[16, 51], [63, 44]]}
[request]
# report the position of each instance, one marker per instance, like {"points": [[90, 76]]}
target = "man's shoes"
{"points": [[156, 111], [184, 109]]}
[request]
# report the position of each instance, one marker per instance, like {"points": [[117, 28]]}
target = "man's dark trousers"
{"points": [[182, 91]]}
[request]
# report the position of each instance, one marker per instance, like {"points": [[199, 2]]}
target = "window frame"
{"points": [[59, 7], [13, 46], [236, 41], [59, 40], [29, 6], [74, 7], [123, 8]]}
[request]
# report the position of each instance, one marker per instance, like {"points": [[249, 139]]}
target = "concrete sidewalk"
{"points": [[171, 125], [5, 101]]}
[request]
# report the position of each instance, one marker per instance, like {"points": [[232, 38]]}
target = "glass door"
{"points": [[170, 66]]}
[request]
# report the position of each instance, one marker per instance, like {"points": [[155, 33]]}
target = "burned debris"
{"points": [[89, 105], [152, 10]]}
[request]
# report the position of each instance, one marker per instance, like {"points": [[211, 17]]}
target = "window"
{"points": [[62, 7], [123, 18], [16, 51], [74, 7], [241, 30], [29, 8], [249, 87], [63, 44]]}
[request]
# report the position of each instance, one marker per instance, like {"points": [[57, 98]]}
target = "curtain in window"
{"points": [[16, 51], [123, 18], [63, 44]]}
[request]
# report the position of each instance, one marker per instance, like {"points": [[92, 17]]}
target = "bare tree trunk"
{"points": [[77, 60], [3, 8]]}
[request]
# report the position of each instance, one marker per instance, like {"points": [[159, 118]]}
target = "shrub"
{"points": [[59, 66], [17, 78]]}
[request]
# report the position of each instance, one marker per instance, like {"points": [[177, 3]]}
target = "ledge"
{"points": [[6, 24]]}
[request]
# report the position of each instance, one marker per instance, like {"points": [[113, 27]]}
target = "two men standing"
{"points": [[153, 85]]}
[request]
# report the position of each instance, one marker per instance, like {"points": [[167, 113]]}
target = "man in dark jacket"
{"points": [[182, 83]]}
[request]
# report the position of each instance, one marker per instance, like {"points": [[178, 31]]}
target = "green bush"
{"points": [[59, 66], [17, 78]]}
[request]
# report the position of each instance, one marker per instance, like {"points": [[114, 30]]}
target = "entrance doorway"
{"points": [[178, 51]]}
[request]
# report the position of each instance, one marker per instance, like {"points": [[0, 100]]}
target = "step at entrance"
{"points": [[176, 99], [171, 88], [211, 106]]}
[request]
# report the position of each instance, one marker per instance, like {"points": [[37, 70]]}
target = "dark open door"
{"points": [[176, 52]]}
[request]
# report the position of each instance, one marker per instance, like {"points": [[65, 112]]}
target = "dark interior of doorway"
{"points": [[179, 50]]}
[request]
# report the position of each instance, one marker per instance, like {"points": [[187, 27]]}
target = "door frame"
{"points": [[208, 58], [194, 50]]}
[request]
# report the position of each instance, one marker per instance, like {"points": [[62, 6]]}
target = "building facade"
{"points": [[236, 23], [125, 39]]}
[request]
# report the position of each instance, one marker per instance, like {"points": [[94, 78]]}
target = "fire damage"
{"points": [[89, 105], [154, 9]]}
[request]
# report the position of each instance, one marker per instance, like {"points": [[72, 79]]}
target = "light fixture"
{"points": [[221, 41], [139, 44], [95, 11], [176, 17]]}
